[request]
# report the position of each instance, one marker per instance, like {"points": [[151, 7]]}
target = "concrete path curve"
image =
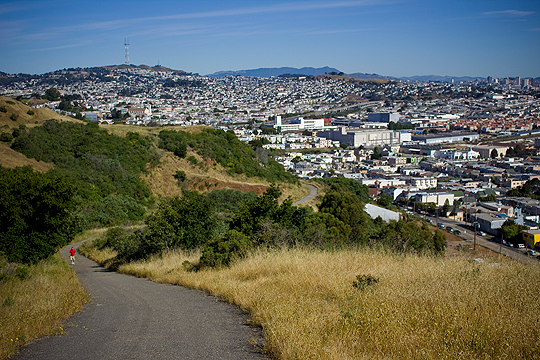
{"points": [[134, 318], [312, 194]]}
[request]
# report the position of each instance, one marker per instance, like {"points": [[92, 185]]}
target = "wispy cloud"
{"points": [[515, 13], [277, 8], [535, 29], [66, 46]]}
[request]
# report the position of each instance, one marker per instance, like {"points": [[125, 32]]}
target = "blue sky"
{"points": [[387, 37]]}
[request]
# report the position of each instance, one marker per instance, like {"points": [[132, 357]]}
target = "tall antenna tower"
{"points": [[126, 47]]}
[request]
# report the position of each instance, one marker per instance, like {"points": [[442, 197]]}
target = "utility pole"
{"points": [[474, 243]]}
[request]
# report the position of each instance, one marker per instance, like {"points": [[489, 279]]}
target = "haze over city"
{"points": [[392, 38]]}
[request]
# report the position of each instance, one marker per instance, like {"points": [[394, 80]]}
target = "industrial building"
{"points": [[356, 138], [383, 117], [445, 138]]}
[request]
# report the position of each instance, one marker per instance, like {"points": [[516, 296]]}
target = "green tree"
{"points": [[324, 230], [377, 155], [494, 154], [345, 206], [512, 231], [36, 214], [52, 94], [385, 200], [185, 223]]}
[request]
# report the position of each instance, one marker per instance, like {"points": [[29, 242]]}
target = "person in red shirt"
{"points": [[72, 256]]}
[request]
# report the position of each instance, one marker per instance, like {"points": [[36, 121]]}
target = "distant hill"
{"points": [[73, 75], [268, 72], [440, 78], [369, 76]]}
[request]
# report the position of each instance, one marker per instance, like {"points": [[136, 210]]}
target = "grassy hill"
{"points": [[17, 113], [205, 175], [13, 115]]}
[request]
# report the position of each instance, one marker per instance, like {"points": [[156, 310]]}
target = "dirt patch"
{"points": [[209, 184], [203, 176]]}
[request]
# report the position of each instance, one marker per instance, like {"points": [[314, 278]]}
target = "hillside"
{"points": [[10, 158], [17, 114]]}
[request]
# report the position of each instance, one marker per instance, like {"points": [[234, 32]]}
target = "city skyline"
{"points": [[392, 38]]}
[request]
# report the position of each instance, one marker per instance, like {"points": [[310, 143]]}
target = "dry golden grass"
{"points": [[122, 130], [421, 308], [205, 177], [35, 306], [16, 107], [10, 158]]}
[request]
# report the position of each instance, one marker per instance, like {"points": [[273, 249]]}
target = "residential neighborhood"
{"points": [[429, 146]]}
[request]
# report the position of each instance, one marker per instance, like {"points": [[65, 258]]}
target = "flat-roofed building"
{"points": [[531, 238]]}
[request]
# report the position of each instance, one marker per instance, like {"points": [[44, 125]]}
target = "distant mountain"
{"points": [[268, 72]]}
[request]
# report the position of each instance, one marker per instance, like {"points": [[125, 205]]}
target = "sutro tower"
{"points": [[126, 47]]}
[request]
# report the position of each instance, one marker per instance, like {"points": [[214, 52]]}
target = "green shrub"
{"points": [[363, 281], [30, 112], [125, 242], [14, 117], [180, 176], [6, 137], [187, 222], [192, 160], [222, 252], [10, 102], [3, 109]]}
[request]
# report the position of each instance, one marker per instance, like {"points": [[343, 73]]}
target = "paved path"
{"points": [[134, 318], [312, 194]]}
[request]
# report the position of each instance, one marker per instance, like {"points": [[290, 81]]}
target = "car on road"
{"points": [[457, 232], [481, 233], [531, 252], [441, 225], [520, 246], [448, 228]]}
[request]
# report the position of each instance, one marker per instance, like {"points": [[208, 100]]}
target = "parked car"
{"points": [[457, 232], [531, 252], [448, 228], [520, 246], [481, 233], [441, 225]]}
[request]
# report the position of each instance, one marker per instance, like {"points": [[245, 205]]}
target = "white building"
{"points": [[299, 124], [456, 154], [356, 138], [438, 198], [374, 211], [423, 183]]}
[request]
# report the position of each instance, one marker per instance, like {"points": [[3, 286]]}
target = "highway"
{"points": [[487, 241]]}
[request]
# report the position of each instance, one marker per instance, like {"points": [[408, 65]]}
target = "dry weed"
{"points": [[422, 307], [35, 305]]}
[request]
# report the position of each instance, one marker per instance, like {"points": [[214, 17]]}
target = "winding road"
{"points": [[134, 318]]}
